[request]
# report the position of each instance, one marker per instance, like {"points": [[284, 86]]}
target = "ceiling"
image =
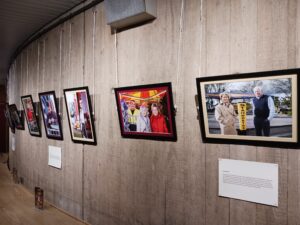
{"points": [[19, 19]]}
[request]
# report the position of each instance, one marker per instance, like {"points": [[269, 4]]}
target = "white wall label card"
{"points": [[250, 181], [54, 156], [13, 143]]}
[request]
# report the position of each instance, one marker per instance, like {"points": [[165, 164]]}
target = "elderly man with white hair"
{"points": [[263, 111]]}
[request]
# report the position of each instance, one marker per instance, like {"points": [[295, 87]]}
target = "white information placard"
{"points": [[13, 143], [54, 158], [250, 181]]}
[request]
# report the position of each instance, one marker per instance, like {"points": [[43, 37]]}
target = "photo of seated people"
{"points": [[145, 111]]}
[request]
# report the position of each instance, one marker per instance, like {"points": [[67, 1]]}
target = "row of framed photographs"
{"points": [[259, 108], [145, 111]]}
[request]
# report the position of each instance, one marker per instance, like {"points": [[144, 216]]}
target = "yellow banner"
{"points": [[242, 110]]}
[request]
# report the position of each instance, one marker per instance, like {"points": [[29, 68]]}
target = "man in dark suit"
{"points": [[263, 111]]}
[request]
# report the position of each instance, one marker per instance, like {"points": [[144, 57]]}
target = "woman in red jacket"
{"points": [[157, 120]]}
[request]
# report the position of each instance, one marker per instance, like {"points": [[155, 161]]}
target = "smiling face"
{"points": [[144, 111], [258, 92], [131, 105], [154, 111], [225, 99]]}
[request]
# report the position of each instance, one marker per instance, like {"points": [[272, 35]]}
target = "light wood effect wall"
{"points": [[122, 181]]}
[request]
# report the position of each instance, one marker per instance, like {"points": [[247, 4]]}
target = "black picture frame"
{"points": [[17, 117], [275, 112], [51, 118], [30, 114], [8, 118], [137, 106], [80, 132]]}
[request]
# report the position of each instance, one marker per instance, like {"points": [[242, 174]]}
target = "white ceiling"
{"points": [[19, 19]]}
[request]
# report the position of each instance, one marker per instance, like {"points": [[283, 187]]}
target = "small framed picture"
{"points": [[253, 109], [81, 122], [147, 112], [30, 114], [17, 117], [8, 118], [50, 114]]}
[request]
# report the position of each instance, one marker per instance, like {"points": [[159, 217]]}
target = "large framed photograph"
{"points": [[17, 117], [255, 108], [50, 114], [81, 122], [147, 112], [8, 118], [30, 114]]}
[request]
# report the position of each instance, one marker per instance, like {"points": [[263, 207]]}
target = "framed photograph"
{"points": [[147, 112], [253, 109], [8, 118], [17, 117], [50, 114], [81, 121], [30, 114]]}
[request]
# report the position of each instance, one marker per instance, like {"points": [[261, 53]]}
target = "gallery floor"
{"points": [[17, 204]]}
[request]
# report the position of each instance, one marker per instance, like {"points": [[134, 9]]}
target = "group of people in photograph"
{"points": [[263, 112], [140, 119]]}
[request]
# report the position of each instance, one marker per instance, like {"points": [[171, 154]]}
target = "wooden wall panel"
{"points": [[194, 149], [243, 31], [72, 76], [102, 173], [25, 139], [293, 207], [12, 93], [217, 47], [50, 51], [272, 51], [33, 160], [126, 181], [160, 200]]}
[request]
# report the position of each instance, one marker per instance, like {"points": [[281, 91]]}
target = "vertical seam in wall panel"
{"points": [[70, 46], [257, 6], [200, 68], [165, 202], [44, 63], [230, 24], [38, 63], [21, 77], [18, 163], [296, 37], [94, 28], [179, 51], [27, 78], [82, 194], [116, 58], [83, 58], [201, 39], [15, 86], [36, 44], [83, 80], [60, 64]]}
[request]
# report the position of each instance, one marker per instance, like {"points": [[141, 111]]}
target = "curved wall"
{"points": [[123, 181]]}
